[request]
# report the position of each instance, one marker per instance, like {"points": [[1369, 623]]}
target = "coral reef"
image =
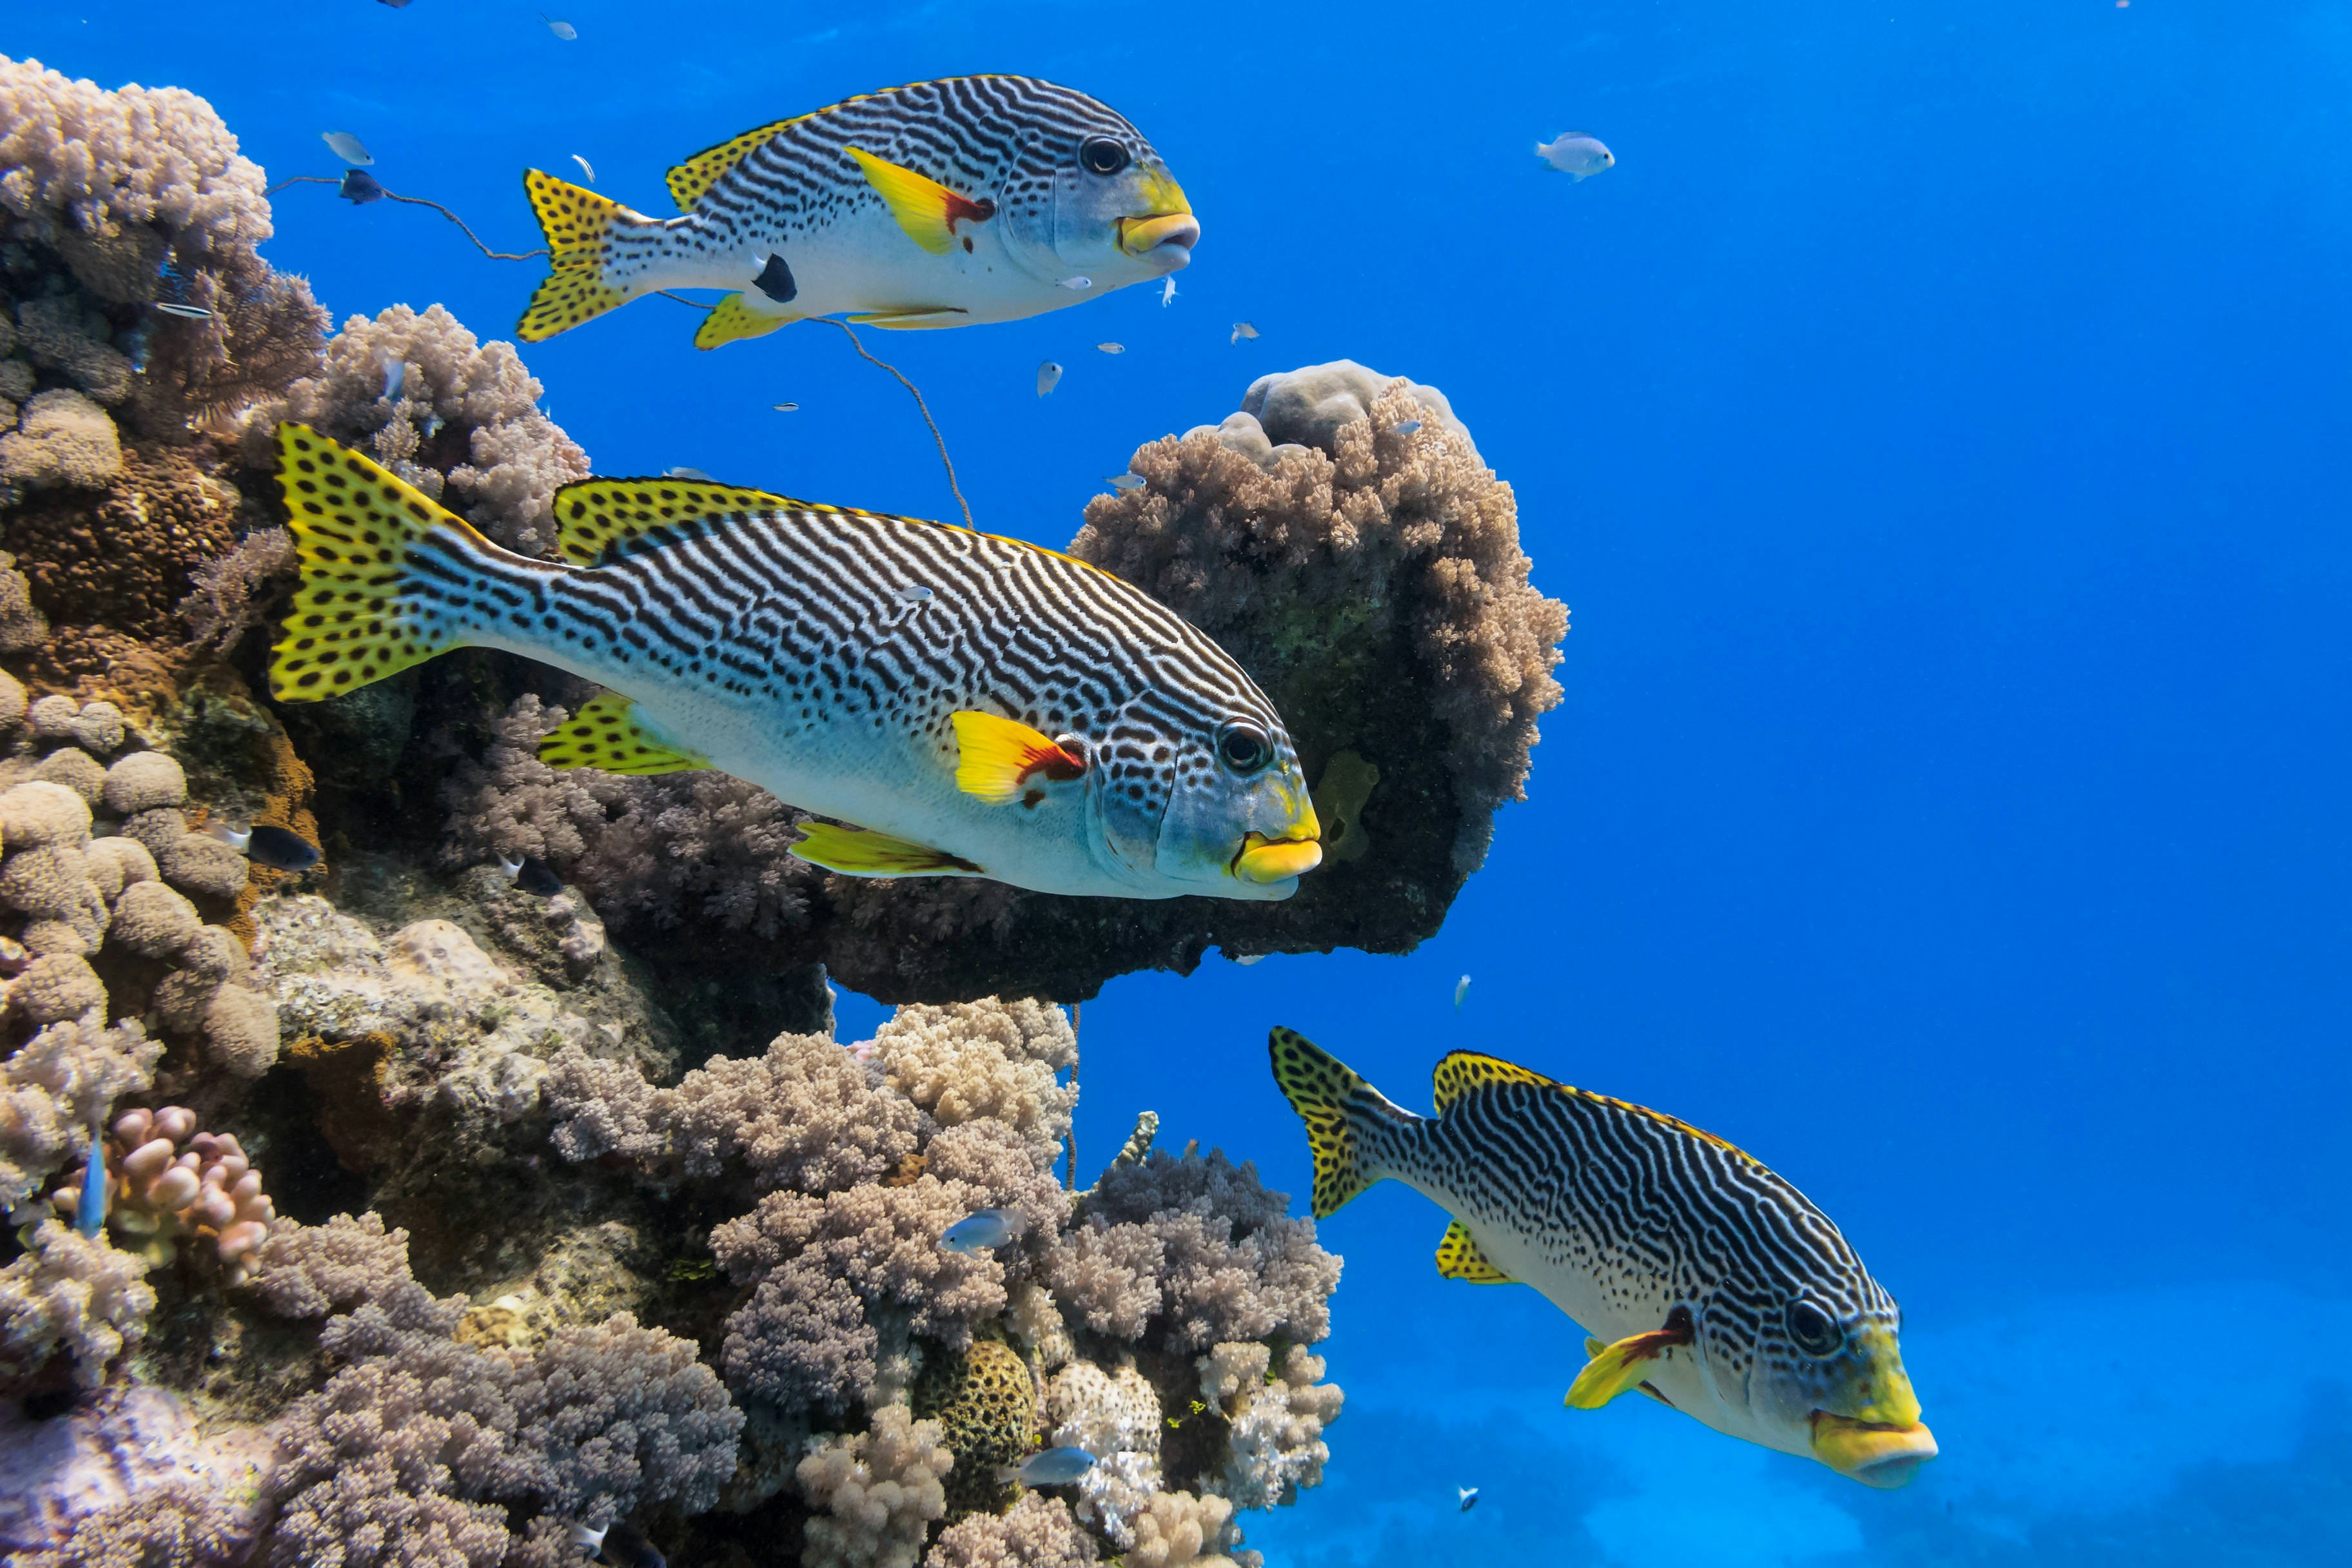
{"points": [[553, 1235]]}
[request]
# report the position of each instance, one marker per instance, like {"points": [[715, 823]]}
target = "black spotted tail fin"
{"points": [[1342, 1112]]}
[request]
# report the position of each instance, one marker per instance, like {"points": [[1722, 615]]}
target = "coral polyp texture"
{"points": [[404, 1208]]}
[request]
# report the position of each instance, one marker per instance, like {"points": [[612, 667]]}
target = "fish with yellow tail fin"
{"points": [[943, 203], [1712, 1286], [959, 704]]}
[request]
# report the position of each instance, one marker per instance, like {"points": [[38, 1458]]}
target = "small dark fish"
{"points": [[185, 313], [360, 187], [533, 876], [1469, 1498], [280, 850], [1056, 1468]]}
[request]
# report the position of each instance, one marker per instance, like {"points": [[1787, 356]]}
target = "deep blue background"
{"points": [[1938, 424]]}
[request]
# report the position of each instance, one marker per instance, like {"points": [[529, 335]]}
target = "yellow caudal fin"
{"points": [[609, 735], [1003, 760], [857, 852], [354, 618], [731, 320], [925, 208], [579, 225], [1342, 1113], [1458, 1257], [1625, 1365]]}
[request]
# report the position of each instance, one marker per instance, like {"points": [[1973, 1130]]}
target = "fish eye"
{"points": [[1815, 1332], [1101, 155], [1244, 748]]}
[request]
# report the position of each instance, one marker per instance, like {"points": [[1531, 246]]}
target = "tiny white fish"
{"points": [[563, 30], [1077, 282], [980, 1232], [346, 146], [1168, 291], [396, 373], [1576, 154], [185, 313], [585, 168], [1241, 330], [592, 1540], [912, 594], [683, 472], [1404, 426], [1049, 376], [1123, 481], [1246, 960], [1469, 1498], [787, 407], [1112, 348], [1461, 989], [433, 426]]}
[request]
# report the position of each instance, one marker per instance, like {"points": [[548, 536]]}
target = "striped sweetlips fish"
{"points": [[1712, 1286], [978, 198], [968, 705]]}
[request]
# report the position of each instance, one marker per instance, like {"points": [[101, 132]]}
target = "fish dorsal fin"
{"points": [[1458, 1257], [925, 208], [1461, 1071], [608, 734], [598, 519], [860, 852], [691, 179]]}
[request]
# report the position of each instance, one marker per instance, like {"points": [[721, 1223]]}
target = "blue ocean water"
{"points": [[1938, 423]]}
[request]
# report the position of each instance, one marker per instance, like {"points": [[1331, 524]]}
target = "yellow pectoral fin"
{"points": [[1594, 1347], [607, 734], [1003, 760], [1458, 1257], [1622, 1367], [925, 208], [859, 852], [731, 321]]}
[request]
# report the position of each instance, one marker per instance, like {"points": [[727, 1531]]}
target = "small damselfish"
{"points": [[1712, 1286], [959, 704], [941, 203]]}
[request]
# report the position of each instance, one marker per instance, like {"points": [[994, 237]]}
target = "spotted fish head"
{"points": [[1108, 209], [1219, 808], [1827, 1380]]}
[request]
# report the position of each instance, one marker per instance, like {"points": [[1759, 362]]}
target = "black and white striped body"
{"points": [[799, 196], [1618, 1216], [819, 653]]}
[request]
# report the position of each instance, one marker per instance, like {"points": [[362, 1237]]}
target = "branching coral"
{"points": [[463, 426], [1277, 1445], [72, 1294], [806, 1115], [699, 848], [1114, 1416], [1036, 1532], [879, 1489], [984, 1059], [1180, 1254], [159, 1192], [61, 438]]}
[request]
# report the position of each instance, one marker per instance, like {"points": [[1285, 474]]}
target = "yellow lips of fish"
{"points": [[1878, 1453], [1167, 220], [1299, 850], [1882, 1442]]}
